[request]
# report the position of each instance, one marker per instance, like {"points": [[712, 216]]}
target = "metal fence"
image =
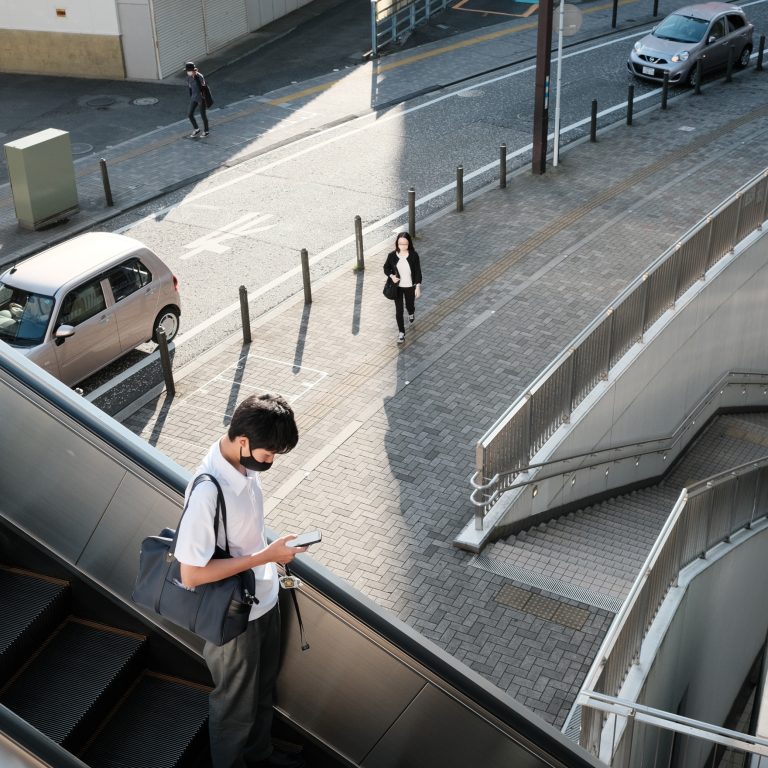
{"points": [[391, 19], [507, 447], [644, 737], [705, 515]]}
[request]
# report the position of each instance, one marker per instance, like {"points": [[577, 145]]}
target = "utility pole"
{"points": [[541, 93]]}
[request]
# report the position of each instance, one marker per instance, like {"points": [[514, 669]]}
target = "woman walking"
{"points": [[404, 270]]}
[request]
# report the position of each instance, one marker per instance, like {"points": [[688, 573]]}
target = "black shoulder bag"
{"points": [[217, 612]]}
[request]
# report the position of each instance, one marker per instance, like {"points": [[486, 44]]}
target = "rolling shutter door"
{"points": [[179, 33], [225, 20]]}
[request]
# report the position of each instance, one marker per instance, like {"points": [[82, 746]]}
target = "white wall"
{"points": [[90, 17]]}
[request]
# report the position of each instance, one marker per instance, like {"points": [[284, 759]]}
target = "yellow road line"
{"points": [[435, 52]]}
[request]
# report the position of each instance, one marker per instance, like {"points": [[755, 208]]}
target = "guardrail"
{"points": [[706, 514], [507, 447], [391, 19]]}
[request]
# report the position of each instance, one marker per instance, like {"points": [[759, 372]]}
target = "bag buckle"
{"points": [[289, 582]]}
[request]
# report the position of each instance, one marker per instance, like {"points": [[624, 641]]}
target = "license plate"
{"points": [[649, 71]]}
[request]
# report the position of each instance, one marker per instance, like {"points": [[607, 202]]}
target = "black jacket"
{"points": [[390, 266]]}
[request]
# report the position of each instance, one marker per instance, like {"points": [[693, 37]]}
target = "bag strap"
{"points": [[302, 638], [221, 512]]}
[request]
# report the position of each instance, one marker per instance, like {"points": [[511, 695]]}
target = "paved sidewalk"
{"points": [[388, 431]]}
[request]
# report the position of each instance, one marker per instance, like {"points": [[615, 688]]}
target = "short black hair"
{"points": [[267, 421]]}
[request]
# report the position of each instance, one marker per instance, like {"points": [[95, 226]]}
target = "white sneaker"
{"points": [[400, 338], [194, 133], [205, 133]]}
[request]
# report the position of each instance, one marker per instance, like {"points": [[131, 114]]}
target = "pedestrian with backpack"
{"points": [[198, 90]]}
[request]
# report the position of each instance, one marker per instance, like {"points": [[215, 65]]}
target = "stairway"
{"points": [[85, 685], [594, 554]]}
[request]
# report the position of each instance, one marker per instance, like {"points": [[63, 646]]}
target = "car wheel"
{"points": [[168, 318], [744, 58], [691, 79]]}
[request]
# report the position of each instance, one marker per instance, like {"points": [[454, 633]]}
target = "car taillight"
{"points": [[175, 283]]}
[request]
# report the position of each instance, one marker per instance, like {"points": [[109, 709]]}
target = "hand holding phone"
{"points": [[305, 539]]}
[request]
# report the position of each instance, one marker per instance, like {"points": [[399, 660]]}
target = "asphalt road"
{"points": [[247, 224]]}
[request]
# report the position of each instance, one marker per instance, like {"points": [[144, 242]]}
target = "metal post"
{"points": [[245, 315], [729, 65], [630, 103], [760, 50], [613, 13], [699, 75], [459, 188], [165, 361], [665, 90], [558, 82], [412, 212], [305, 276], [655, 8], [593, 122], [374, 46], [609, 346], [735, 240], [360, 266], [503, 167], [541, 88], [105, 181]]}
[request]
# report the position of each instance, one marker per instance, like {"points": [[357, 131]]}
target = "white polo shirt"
{"points": [[245, 524]]}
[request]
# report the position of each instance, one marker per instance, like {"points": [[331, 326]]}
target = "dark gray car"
{"points": [[706, 31]]}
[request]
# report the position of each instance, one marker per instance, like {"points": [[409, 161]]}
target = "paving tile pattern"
{"points": [[388, 431]]}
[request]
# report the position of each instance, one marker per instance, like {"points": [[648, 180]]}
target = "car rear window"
{"points": [[127, 278]]}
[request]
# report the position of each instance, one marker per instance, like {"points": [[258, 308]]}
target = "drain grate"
{"points": [[555, 586]]}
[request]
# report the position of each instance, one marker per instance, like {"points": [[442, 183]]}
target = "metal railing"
{"points": [[507, 447], [649, 737], [391, 19], [706, 514]]}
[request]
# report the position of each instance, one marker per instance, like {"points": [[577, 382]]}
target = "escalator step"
{"points": [[78, 675], [161, 723], [31, 608]]}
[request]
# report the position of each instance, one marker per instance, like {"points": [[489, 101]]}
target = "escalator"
{"points": [[86, 679]]}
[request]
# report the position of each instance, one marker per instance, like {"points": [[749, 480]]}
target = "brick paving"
{"points": [[387, 431]]}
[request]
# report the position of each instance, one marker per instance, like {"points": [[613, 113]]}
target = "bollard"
{"points": [[245, 315], [655, 8], [105, 181], [503, 166], [630, 103], [165, 361], [412, 213], [760, 50], [360, 266], [305, 276], [593, 122], [665, 90], [729, 65], [699, 75], [459, 188]]}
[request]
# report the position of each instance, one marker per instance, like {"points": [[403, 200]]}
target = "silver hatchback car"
{"points": [[76, 307], [706, 31]]}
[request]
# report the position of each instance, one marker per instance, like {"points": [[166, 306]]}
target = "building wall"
{"points": [[84, 42]]}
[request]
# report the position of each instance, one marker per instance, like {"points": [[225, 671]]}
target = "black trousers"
{"points": [[240, 706], [409, 294], [193, 105]]}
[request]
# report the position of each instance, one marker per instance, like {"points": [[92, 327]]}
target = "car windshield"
{"points": [[682, 29], [24, 316]]}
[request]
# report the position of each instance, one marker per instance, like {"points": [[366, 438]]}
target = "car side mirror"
{"points": [[653, 29], [711, 39], [63, 332]]}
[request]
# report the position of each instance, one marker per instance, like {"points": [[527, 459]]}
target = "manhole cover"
{"points": [[469, 94], [100, 101], [81, 149], [144, 101]]}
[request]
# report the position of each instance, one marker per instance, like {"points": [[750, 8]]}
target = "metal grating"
{"points": [[554, 586], [160, 724], [572, 727]]}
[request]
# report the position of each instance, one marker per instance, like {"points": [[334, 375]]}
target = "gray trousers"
{"points": [[240, 706]]}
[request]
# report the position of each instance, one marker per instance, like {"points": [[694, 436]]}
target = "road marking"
{"points": [[213, 242], [460, 7]]}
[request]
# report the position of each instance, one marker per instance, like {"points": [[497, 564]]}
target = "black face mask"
{"points": [[250, 463]]}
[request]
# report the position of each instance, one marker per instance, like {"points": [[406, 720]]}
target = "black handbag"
{"points": [[206, 91], [217, 612], [390, 290]]}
